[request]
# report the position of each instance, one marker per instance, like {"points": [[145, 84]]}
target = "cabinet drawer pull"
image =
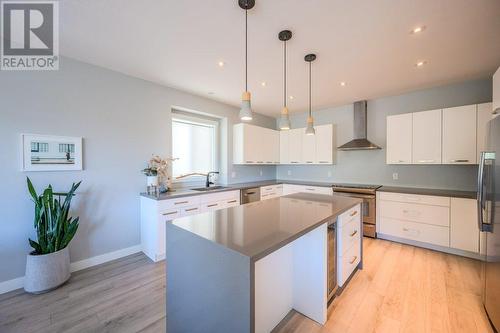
{"points": [[323, 162], [191, 209], [353, 213], [171, 213], [310, 189], [426, 161], [249, 162], [269, 162], [260, 162], [308, 161], [269, 189], [459, 161], [232, 201], [212, 205], [354, 233], [180, 202], [353, 260], [293, 162]]}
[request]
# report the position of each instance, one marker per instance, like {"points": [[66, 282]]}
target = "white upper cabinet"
{"points": [[324, 144], [308, 149], [255, 145], [284, 142], [459, 135], [427, 137], [496, 91], [399, 139], [295, 145], [484, 114]]}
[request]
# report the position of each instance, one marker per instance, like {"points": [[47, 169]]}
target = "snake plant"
{"points": [[54, 227]]}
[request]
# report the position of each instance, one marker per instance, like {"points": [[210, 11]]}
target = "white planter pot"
{"points": [[152, 180], [47, 271]]}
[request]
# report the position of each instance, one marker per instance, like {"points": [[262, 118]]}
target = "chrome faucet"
{"points": [[208, 182]]}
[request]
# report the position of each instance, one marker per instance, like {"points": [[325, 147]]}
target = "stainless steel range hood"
{"points": [[359, 142]]}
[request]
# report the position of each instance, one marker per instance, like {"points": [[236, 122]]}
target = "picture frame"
{"points": [[41, 152]]}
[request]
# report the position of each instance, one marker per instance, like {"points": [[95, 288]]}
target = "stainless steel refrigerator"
{"points": [[488, 200]]}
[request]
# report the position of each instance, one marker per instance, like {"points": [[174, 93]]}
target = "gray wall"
{"points": [[123, 121], [369, 166]]}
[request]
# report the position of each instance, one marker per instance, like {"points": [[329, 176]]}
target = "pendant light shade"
{"points": [[284, 36], [246, 107], [310, 120]]}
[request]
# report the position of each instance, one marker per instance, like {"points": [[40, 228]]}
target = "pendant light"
{"points": [[246, 109], [310, 121], [284, 36]]}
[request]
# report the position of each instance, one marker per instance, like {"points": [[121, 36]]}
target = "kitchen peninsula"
{"points": [[243, 268]]}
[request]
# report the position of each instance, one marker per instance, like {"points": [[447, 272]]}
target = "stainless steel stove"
{"points": [[368, 207]]}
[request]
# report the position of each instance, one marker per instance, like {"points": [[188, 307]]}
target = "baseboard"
{"points": [[17, 283]]}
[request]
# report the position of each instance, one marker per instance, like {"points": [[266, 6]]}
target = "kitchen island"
{"points": [[242, 269]]}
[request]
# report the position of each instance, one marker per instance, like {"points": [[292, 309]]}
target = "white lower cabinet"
{"points": [[447, 222], [291, 188], [464, 233], [271, 191], [155, 213], [348, 243]]}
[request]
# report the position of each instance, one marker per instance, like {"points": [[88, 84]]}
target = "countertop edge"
{"points": [[429, 191]]}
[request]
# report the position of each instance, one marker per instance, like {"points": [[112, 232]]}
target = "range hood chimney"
{"points": [[359, 142]]}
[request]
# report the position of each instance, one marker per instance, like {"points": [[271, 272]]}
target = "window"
{"points": [[66, 148], [39, 147], [194, 144]]}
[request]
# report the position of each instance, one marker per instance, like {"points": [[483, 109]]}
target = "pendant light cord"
{"points": [[284, 75], [246, 50], [310, 112]]}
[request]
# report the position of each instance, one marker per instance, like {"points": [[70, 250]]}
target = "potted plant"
{"points": [[48, 265], [157, 172], [152, 175]]}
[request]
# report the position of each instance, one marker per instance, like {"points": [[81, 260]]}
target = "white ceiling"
{"points": [[365, 43]]}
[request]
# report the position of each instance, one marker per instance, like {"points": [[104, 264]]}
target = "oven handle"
{"points": [[355, 195]]}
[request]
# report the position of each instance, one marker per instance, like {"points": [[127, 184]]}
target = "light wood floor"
{"points": [[400, 289]]}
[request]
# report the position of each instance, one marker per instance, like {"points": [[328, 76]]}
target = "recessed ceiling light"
{"points": [[421, 63], [263, 83], [418, 29], [291, 97], [342, 84], [221, 63]]}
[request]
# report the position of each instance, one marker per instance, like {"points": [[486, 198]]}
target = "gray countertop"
{"points": [[260, 228], [231, 187], [429, 191]]}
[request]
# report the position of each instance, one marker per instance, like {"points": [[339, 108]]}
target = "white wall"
{"points": [[123, 121], [369, 166]]}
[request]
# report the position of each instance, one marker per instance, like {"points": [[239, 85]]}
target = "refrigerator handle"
{"points": [[480, 191]]}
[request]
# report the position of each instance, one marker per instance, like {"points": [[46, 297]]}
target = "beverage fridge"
{"points": [[488, 200]]}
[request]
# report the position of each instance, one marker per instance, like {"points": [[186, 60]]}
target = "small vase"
{"points": [[46, 272], [152, 180]]}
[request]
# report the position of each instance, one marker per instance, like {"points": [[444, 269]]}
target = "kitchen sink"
{"points": [[206, 189]]}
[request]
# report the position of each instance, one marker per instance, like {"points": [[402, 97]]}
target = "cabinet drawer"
{"points": [[268, 195], [232, 202], [348, 262], [350, 234], [178, 203], [415, 198], [317, 189], [426, 233], [352, 214], [209, 206], [193, 210], [436, 215], [219, 196], [170, 214]]}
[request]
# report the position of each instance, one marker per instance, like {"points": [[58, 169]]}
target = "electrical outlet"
{"points": [[260, 172], [233, 174], [289, 172], [395, 176], [329, 174]]}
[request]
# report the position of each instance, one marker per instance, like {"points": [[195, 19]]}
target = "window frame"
{"points": [[200, 120]]}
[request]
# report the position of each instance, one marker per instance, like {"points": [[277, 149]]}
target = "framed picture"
{"points": [[51, 153]]}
